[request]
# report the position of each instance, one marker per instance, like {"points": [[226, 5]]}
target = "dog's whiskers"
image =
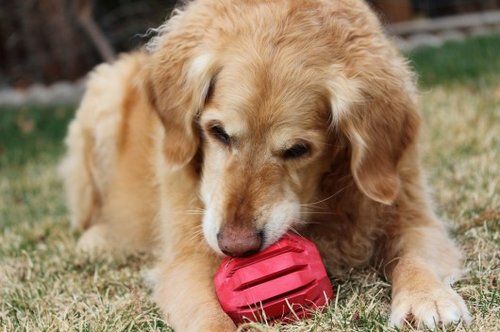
{"points": [[320, 212], [188, 212], [195, 236], [327, 198], [293, 229]]}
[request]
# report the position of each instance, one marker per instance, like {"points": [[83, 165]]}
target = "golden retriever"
{"points": [[244, 119]]}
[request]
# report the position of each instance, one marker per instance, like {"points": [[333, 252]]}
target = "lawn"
{"points": [[46, 285]]}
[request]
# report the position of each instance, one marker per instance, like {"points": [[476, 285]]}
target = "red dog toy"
{"points": [[283, 282]]}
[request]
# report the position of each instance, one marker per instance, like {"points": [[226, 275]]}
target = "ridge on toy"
{"points": [[286, 281]]}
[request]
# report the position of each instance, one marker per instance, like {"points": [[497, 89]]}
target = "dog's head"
{"points": [[265, 94]]}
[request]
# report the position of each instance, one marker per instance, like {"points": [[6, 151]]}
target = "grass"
{"points": [[475, 61], [48, 286]]}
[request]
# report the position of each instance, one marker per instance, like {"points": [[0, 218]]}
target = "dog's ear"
{"points": [[179, 77], [378, 116]]}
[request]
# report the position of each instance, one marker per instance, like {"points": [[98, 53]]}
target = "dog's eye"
{"points": [[296, 151], [220, 134]]}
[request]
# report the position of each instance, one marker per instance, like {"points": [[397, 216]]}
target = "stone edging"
{"points": [[434, 32], [60, 93]]}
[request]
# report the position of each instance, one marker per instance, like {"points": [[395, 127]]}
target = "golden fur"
{"points": [[145, 171]]}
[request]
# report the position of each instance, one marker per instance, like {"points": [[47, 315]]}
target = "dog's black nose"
{"points": [[239, 241]]}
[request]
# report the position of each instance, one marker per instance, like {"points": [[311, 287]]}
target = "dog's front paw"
{"points": [[94, 240], [438, 305]]}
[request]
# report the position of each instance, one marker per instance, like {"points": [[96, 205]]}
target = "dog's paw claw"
{"points": [[439, 306]]}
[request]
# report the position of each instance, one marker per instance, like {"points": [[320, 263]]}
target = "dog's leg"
{"points": [[82, 194], [185, 293], [182, 280], [425, 262]]}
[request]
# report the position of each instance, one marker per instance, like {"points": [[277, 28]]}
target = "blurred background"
{"points": [[50, 40], [45, 41]]}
